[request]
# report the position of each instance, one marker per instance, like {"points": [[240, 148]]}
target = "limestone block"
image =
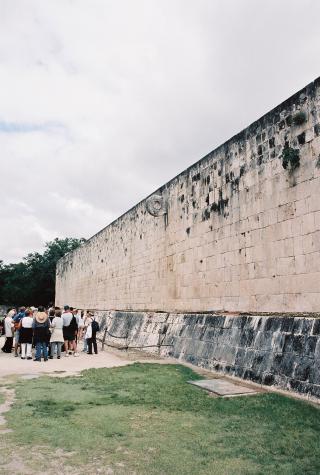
{"points": [[285, 266], [312, 262], [316, 241], [308, 223], [317, 221], [313, 202], [296, 226]]}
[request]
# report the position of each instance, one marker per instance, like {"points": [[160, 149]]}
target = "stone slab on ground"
{"points": [[30, 376], [223, 387]]}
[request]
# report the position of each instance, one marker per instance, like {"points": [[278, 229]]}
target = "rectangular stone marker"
{"points": [[223, 387]]}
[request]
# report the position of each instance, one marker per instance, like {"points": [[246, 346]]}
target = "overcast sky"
{"points": [[102, 101]]}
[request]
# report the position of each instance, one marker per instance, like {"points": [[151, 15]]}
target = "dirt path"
{"points": [[68, 366], [8, 395]]}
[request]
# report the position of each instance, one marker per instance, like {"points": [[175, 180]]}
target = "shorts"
{"points": [[17, 336], [68, 335]]}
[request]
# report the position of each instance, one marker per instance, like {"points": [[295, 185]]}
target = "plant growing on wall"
{"points": [[299, 118], [290, 157]]}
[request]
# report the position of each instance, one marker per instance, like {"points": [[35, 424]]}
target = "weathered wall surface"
{"points": [[241, 230], [279, 351]]}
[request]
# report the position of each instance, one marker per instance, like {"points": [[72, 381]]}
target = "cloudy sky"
{"points": [[102, 101]]}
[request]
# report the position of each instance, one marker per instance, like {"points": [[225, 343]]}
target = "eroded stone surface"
{"points": [[270, 350]]}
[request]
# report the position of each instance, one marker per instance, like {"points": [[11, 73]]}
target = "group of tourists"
{"points": [[50, 331]]}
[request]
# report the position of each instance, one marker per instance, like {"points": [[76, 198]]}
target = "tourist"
{"points": [[51, 313], [75, 323], [40, 334], [16, 322], [50, 308], [2, 317], [91, 334], [56, 339], [26, 334], [8, 329], [69, 331], [87, 319], [80, 323]]}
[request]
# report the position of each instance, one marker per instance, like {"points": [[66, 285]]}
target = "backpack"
{"points": [[73, 324], [95, 326]]}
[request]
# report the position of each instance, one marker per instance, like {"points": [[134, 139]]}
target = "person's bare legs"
{"points": [[66, 347], [71, 346], [75, 348]]}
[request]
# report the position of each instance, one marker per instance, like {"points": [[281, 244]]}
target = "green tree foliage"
{"points": [[32, 281]]}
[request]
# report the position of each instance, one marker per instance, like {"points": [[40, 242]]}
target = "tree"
{"points": [[32, 281]]}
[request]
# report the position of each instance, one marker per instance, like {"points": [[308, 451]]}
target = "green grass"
{"points": [[145, 419]]}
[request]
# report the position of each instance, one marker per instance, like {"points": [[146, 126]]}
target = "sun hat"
{"points": [[41, 317]]}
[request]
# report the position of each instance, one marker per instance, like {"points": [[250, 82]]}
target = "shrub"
{"points": [[290, 157]]}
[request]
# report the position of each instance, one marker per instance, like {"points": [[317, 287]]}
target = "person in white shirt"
{"points": [[56, 339], [26, 335], [8, 328], [70, 329], [80, 322]]}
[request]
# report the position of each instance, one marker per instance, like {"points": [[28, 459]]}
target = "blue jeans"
{"points": [[85, 345], [41, 346], [54, 345]]}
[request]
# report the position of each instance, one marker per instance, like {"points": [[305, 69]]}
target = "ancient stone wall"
{"points": [[238, 231], [271, 350]]}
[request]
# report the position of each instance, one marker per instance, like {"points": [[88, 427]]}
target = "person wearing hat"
{"points": [[41, 325]]}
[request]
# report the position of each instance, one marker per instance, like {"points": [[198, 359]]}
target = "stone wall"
{"points": [[238, 231], [271, 350]]}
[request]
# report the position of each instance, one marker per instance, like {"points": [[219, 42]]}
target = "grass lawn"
{"points": [[145, 419]]}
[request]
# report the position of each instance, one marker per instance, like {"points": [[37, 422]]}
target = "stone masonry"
{"points": [[237, 231], [271, 350]]}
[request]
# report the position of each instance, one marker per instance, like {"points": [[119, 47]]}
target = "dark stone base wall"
{"points": [[271, 350]]}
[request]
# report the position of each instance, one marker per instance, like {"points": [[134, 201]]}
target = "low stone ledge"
{"points": [[273, 350]]}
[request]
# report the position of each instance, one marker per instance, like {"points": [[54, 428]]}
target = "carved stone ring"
{"points": [[156, 205]]}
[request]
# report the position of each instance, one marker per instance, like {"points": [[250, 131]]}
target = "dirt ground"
{"points": [[67, 366]]}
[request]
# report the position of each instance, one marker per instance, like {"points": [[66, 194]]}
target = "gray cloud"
{"points": [[104, 101]]}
